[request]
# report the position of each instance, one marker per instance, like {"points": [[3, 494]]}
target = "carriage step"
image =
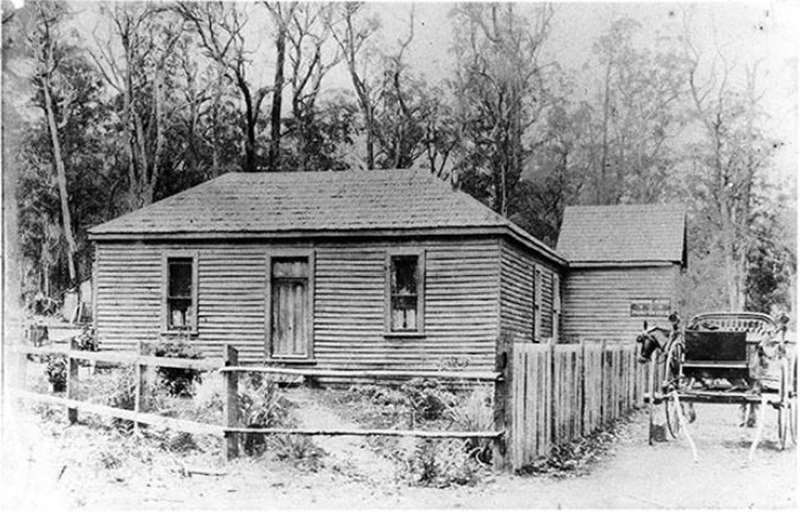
{"points": [[716, 397], [715, 364]]}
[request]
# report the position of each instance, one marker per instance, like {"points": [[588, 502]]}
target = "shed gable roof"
{"points": [[623, 233], [288, 201]]}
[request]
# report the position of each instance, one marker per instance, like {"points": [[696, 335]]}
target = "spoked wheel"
{"points": [[673, 381], [787, 409], [787, 424]]}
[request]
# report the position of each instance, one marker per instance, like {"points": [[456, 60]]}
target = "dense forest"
{"points": [[163, 96]]}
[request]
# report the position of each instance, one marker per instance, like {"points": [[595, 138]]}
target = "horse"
{"points": [[663, 340]]}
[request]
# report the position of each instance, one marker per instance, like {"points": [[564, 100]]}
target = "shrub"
{"points": [[427, 399], [181, 442], [261, 406], [441, 463], [56, 370], [474, 413], [86, 340], [178, 381], [300, 450]]}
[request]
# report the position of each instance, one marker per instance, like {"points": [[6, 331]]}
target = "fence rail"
{"points": [[230, 370], [545, 395]]}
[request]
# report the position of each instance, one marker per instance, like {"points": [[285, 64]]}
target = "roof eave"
{"points": [[616, 263], [517, 234]]}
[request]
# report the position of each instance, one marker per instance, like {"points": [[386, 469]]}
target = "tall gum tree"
{"points": [[499, 85], [46, 43], [730, 160], [146, 36]]}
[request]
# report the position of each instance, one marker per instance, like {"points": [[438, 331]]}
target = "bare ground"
{"points": [[47, 464]]}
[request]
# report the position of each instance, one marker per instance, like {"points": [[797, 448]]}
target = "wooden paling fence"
{"points": [[562, 392]]}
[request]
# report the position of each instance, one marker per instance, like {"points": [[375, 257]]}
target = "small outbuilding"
{"points": [[624, 265], [380, 269]]}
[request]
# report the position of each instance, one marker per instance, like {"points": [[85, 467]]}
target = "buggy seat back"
{"points": [[755, 325]]}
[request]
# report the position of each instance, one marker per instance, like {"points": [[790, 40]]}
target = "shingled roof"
{"points": [[284, 202], [623, 234]]}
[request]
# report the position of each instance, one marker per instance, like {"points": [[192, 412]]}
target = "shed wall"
{"points": [[461, 301], [597, 302]]}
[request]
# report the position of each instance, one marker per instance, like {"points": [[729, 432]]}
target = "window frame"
{"points": [[194, 319], [421, 271], [310, 255], [538, 277], [556, 310]]}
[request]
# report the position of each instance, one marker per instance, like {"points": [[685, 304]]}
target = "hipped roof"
{"points": [[264, 203]]}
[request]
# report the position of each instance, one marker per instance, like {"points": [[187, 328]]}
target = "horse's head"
{"points": [[650, 340]]}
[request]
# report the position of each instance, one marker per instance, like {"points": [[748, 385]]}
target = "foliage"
{"points": [[472, 413], [56, 371], [300, 450], [261, 406], [427, 399], [86, 340], [441, 463], [178, 381], [577, 456], [499, 87]]}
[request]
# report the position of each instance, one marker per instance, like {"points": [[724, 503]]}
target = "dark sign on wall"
{"points": [[650, 307]]}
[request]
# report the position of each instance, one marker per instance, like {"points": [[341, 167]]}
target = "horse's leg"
{"points": [[689, 412], [760, 429], [753, 408]]}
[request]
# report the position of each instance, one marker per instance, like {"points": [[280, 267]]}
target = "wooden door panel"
{"points": [[290, 318]]}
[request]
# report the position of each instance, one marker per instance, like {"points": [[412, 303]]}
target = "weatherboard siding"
{"points": [[460, 308], [516, 297], [597, 301]]}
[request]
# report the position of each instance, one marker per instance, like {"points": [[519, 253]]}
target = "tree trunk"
{"points": [[277, 100], [61, 175], [602, 188], [370, 121]]}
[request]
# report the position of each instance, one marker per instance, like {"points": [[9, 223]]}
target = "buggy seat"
{"points": [[724, 345]]}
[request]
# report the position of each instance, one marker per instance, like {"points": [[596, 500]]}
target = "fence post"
{"points": [[138, 379], [503, 404], [20, 373], [72, 380], [230, 413]]}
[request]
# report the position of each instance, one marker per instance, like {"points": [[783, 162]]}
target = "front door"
{"points": [[290, 307]]}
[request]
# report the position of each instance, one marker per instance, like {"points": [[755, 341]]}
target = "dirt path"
{"points": [[631, 475], [349, 452]]}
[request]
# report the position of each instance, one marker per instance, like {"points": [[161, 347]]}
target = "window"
{"points": [[556, 306], [180, 294], [405, 292], [537, 303]]}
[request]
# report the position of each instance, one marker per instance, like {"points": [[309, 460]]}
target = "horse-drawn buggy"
{"points": [[736, 358]]}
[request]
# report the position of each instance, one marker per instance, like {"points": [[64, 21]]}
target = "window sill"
{"points": [[179, 334], [391, 334], [290, 360]]}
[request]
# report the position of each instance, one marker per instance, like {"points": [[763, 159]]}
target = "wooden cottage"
{"points": [[371, 270], [378, 269], [624, 264]]}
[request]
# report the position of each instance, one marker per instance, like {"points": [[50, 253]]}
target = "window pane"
{"points": [[404, 313], [404, 275], [290, 267], [180, 277], [179, 313]]}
